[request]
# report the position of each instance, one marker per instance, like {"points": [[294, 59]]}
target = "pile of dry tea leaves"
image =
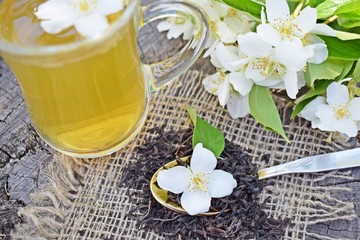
{"points": [[244, 218]]}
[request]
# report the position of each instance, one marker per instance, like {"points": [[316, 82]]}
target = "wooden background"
{"points": [[23, 153]]}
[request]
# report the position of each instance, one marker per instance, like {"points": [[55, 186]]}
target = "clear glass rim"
{"points": [[23, 50]]}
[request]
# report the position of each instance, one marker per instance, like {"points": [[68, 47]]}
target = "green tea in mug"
{"points": [[84, 100]]}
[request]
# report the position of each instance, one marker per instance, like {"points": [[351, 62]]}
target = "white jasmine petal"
{"points": [[238, 25], [306, 20], [346, 126], [252, 45], [174, 32], [58, 10], [195, 202], [354, 108], [238, 106], [323, 29], [337, 94], [272, 82], [326, 115], [55, 27], [252, 72], [226, 34], [164, 26], [91, 25], [269, 34], [202, 160], [301, 79], [212, 46], [321, 53], [106, 7], [309, 110], [88, 17], [239, 63], [276, 9], [291, 84], [226, 55], [215, 60], [222, 9], [240, 83], [292, 56], [220, 184], [212, 82], [175, 180], [224, 91]]}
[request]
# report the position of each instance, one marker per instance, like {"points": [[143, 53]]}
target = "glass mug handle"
{"points": [[164, 72]]}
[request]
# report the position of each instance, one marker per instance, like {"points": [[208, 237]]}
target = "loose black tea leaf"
{"points": [[243, 216]]}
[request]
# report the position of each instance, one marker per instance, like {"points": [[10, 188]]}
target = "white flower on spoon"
{"points": [[87, 16], [198, 183], [335, 113]]}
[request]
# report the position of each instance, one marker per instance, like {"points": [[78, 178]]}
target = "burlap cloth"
{"points": [[84, 200]]}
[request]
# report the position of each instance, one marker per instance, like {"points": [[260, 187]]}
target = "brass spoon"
{"points": [[162, 196]]}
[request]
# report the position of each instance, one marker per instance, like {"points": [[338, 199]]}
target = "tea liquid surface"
{"points": [[86, 101]]}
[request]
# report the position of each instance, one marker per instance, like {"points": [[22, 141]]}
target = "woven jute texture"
{"points": [[84, 199]]}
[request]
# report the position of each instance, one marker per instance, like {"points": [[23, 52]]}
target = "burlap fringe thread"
{"points": [[46, 219]]}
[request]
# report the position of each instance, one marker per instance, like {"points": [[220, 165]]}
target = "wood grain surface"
{"points": [[23, 153]]}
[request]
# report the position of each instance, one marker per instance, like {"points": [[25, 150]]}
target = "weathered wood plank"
{"points": [[22, 153]]}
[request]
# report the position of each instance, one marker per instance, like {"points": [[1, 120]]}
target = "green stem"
{"points": [[330, 20], [298, 8]]}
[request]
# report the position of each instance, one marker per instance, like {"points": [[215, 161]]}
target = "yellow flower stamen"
{"points": [[269, 67], [342, 112], [84, 5], [232, 13], [286, 27], [199, 182]]}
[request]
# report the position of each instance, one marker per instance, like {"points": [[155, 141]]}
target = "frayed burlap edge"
{"points": [[46, 218]]}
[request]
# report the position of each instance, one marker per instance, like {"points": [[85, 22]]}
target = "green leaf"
{"points": [[248, 6], [346, 50], [350, 19], [327, 8], [346, 23], [346, 69], [300, 106], [263, 109], [349, 7], [192, 114], [356, 74], [319, 88], [329, 69], [345, 36], [209, 136], [205, 133], [315, 3]]}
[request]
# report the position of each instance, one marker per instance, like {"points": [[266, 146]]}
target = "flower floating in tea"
{"points": [[337, 112], [198, 183], [87, 16]]}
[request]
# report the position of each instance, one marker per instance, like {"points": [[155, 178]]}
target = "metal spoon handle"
{"points": [[325, 162]]}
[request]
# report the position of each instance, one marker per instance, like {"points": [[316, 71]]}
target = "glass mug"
{"points": [[90, 98]]}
